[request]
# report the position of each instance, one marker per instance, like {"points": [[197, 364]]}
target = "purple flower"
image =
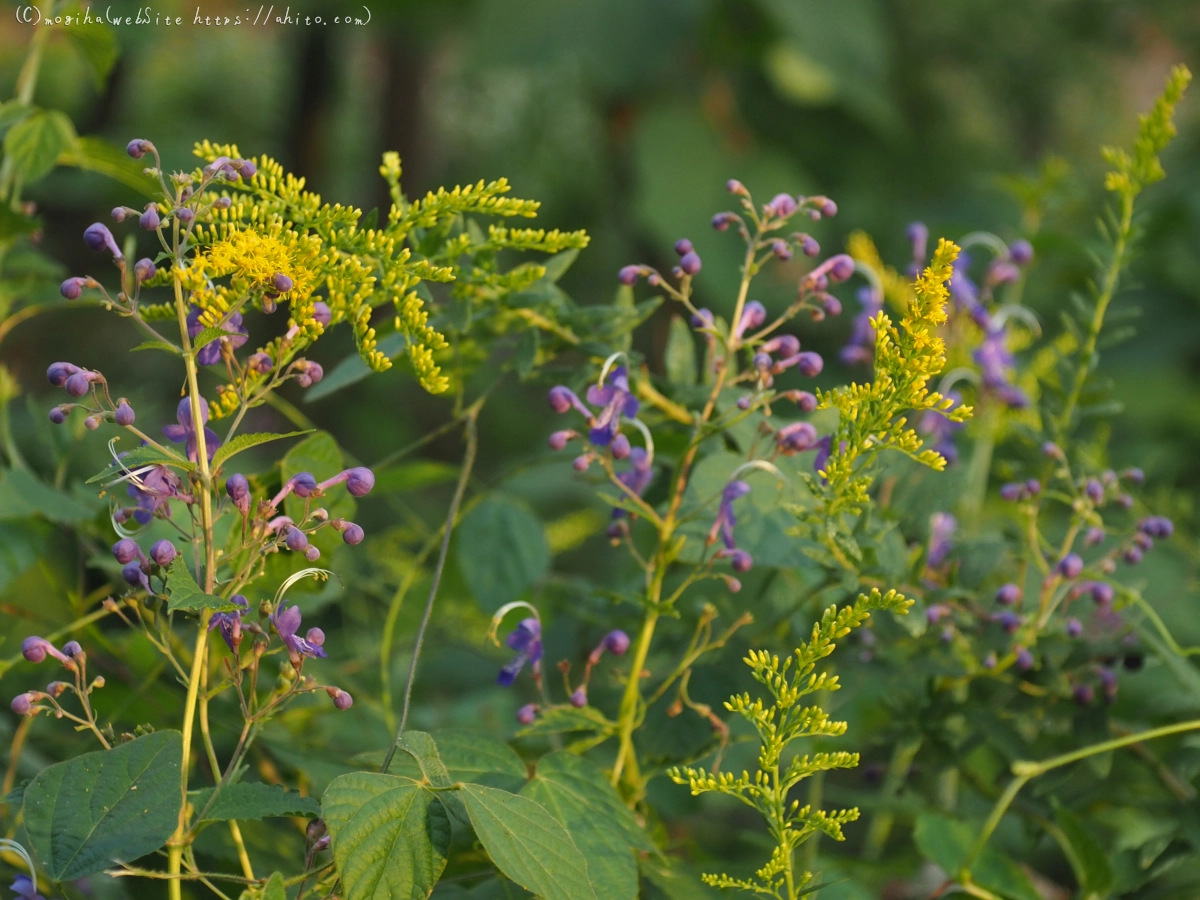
{"points": [[526, 639], [126, 550], [210, 353], [342, 700], [996, 364], [781, 205], [134, 576], [185, 433], [296, 539], [238, 489], [353, 534], [1094, 536], [861, 346], [628, 275], [724, 524], [616, 642], [150, 219], [137, 148], [796, 438], [1083, 694], [579, 698], [359, 481], [230, 622], [1021, 252], [36, 649], [1157, 526], [526, 714], [287, 622], [98, 238], [144, 269], [616, 400], [1024, 659], [1102, 592], [753, 316], [1074, 628], [158, 486], [690, 263], [942, 527], [72, 288], [22, 885], [1008, 620]]}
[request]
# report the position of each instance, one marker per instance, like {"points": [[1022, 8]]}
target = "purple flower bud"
{"points": [[1051, 450], [126, 551], [1024, 659], [1137, 476], [238, 489], [781, 250], [185, 214], [1094, 490], [1008, 594], [163, 553], [629, 274], [296, 539], [137, 148], [743, 403], [1021, 252], [282, 283], [322, 313], [989, 661], [809, 245], [22, 704], [359, 481], [315, 636], [620, 447], [134, 576], [310, 372], [781, 205], [1083, 694], [1012, 491], [247, 168], [124, 414], [579, 698], [222, 203], [581, 462], [741, 561], [312, 553], [1093, 536], [720, 221], [690, 263], [935, 613], [118, 213], [144, 269], [1132, 555], [78, 384], [1033, 487], [260, 362], [98, 238], [735, 187], [1157, 526], [560, 398], [91, 423], [58, 415], [1070, 566], [1074, 628], [36, 649], [806, 401], [59, 372], [809, 364], [683, 247], [1143, 541], [842, 268], [303, 484], [342, 700], [353, 534], [526, 714], [1102, 592], [762, 361], [72, 288], [558, 440], [616, 642], [1009, 621], [72, 649], [150, 219]]}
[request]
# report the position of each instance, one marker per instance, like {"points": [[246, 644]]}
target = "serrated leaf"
{"points": [[527, 844], [110, 805], [23, 495], [32, 145], [507, 551], [576, 793], [207, 336], [156, 345], [183, 592], [246, 441], [252, 800], [390, 835], [1092, 869], [680, 355]]}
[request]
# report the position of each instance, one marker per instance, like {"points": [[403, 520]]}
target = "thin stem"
{"points": [[881, 823], [472, 416]]}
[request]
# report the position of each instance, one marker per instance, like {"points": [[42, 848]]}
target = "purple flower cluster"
{"points": [[184, 431], [526, 640], [614, 398], [139, 566], [724, 523]]}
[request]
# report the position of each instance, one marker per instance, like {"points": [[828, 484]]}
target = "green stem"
{"points": [[460, 489], [882, 822], [1027, 771], [1111, 278]]}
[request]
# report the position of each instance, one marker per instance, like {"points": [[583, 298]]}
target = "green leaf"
{"points": [[320, 455], [352, 369], [468, 756], [98, 46], [576, 793], [1093, 871], [527, 351], [21, 544], [559, 719], [184, 593], [680, 356], [527, 844], [502, 551], [13, 112], [422, 748], [93, 154], [119, 804], [23, 495], [246, 441], [34, 143], [138, 457], [947, 843], [390, 835], [557, 265], [156, 345], [207, 336], [253, 800], [413, 476], [274, 888]]}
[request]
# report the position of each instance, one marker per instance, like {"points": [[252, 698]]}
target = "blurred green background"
{"points": [[625, 117]]}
